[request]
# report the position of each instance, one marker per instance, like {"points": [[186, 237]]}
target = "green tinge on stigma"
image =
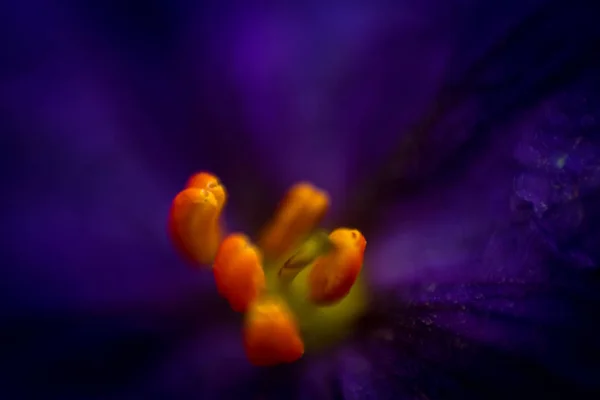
{"points": [[321, 326]]}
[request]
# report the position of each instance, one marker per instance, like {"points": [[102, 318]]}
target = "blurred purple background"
{"points": [[460, 136]]}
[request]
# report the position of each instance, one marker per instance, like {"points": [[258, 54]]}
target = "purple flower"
{"points": [[461, 139]]}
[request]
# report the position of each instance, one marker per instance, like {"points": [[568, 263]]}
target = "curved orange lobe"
{"points": [[205, 180], [193, 224], [238, 272], [299, 213], [271, 334], [333, 275], [194, 218]]}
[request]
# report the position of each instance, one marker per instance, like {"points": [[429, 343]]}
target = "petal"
{"points": [[271, 334], [238, 272]]}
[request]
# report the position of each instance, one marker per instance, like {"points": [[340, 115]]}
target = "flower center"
{"points": [[299, 288]]}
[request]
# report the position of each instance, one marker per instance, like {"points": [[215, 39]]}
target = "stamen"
{"points": [[333, 275], [300, 212], [194, 218], [193, 224], [238, 272], [330, 263], [271, 334], [205, 180]]}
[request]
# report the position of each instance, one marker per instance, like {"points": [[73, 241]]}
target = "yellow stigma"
{"points": [[300, 287]]}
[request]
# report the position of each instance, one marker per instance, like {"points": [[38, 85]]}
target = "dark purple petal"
{"points": [[480, 279]]}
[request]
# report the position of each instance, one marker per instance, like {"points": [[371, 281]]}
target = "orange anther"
{"points": [[205, 180], [238, 272], [333, 275], [349, 239], [301, 210], [193, 224], [271, 334], [194, 218]]}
